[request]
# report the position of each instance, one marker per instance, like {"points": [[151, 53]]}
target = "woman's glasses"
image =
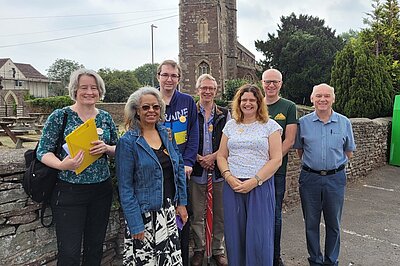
{"points": [[155, 107]]}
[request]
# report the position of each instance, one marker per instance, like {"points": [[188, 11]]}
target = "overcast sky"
{"points": [[117, 33]]}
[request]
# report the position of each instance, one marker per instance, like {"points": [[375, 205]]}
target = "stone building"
{"points": [[208, 43], [16, 81]]}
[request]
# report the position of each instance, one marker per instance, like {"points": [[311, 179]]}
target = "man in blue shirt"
{"points": [[212, 119], [324, 143]]}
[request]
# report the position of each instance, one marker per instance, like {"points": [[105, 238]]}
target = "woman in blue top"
{"points": [[151, 182], [80, 203]]}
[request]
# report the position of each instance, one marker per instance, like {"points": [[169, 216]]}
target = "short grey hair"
{"points": [[204, 77], [323, 85], [133, 104], [74, 82]]}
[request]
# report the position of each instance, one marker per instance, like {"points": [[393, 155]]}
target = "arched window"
{"points": [[248, 77], [203, 31], [203, 68]]}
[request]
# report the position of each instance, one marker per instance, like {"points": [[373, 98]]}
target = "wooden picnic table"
{"points": [[40, 117], [5, 126], [23, 123]]}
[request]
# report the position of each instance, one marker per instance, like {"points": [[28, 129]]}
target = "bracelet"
{"points": [[223, 172], [226, 178]]}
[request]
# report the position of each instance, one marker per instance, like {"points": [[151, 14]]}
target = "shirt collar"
{"points": [[332, 118]]}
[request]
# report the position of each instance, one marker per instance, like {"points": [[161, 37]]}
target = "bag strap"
{"points": [[60, 141]]}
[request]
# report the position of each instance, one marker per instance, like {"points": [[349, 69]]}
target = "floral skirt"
{"points": [[160, 245]]}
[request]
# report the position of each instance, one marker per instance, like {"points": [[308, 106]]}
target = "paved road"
{"points": [[370, 224]]}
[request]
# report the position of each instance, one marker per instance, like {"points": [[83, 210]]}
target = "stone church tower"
{"points": [[208, 43]]}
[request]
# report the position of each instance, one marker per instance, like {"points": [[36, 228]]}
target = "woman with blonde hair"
{"points": [[80, 202], [249, 154]]}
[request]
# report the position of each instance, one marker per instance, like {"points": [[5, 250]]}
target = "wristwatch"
{"points": [[259, 181]]}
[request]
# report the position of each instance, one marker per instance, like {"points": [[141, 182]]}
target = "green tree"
{"points": [[383, 35], [147, 74], [119, 84], [362, 82], [231, 87], [303, 50], [59, 73]]}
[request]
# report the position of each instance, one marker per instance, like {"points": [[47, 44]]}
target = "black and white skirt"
{"points": [[161, 244]]}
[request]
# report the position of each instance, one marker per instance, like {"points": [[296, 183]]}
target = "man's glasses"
{"points": [[155, 107], [275, 82], [166, 76], [211, 89]]}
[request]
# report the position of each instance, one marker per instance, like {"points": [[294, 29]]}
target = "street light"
{"points": [[152, 52]]}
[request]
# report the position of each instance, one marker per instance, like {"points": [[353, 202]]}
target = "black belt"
{"points": [[324, 172]]}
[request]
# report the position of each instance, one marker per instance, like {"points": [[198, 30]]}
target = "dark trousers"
{"points": [[81, 212], [322, 194], [185, 232], [280, 187]]}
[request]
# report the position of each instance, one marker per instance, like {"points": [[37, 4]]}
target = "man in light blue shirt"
{"points": [[324, 143]]}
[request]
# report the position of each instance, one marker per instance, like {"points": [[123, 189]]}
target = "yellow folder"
{"points": [[80, 139]]}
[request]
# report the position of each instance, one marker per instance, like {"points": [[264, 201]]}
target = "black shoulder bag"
{"points": [[39, 179]]}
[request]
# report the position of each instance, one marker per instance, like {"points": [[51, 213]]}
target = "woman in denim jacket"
{"points": [[151, 183]]}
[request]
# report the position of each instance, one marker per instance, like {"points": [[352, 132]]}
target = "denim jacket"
{"points": [[140, 176]]}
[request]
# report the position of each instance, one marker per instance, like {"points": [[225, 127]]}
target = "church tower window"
{"points": [[203, 31]]}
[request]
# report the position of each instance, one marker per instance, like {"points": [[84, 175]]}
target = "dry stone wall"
{"points": [[23, 239]]}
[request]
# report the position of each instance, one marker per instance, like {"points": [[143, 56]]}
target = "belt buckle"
{"points": [[323, 173]]}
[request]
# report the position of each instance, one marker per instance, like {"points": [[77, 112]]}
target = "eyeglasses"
{"points": [[207, 88], [166, 76], [155, 107], [276, 82]]}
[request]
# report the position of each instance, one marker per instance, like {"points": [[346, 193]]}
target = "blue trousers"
{"points": [[280, 188], [249, 225], [322, 194]]}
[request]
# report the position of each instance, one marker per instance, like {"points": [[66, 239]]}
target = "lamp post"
{"points": [[152, 52]]}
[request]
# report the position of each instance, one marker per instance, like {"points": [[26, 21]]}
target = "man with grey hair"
{"points": [[325, 143], [284, 113], [212, 119]]}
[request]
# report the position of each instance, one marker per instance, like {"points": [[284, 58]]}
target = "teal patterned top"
{"points": [[97, 171]]}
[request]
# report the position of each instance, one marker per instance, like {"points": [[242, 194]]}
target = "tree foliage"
{"points": [[231, 87], [60, 71], [303, 50], [119, 84], [362, 82], [147, 74], [51, 103], [383, 36]]}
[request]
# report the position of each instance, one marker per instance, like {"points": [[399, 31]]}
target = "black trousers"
{"points": [[184, 234], [81, 211]]}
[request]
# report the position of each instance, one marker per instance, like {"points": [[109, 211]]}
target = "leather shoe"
{"points": [[197, 259], [220, 260], [278, 262]]}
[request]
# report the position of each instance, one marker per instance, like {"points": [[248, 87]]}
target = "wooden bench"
{"points": [[22, 139]]}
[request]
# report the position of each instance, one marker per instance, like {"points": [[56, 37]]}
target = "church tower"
{"points": [[207, 41]]}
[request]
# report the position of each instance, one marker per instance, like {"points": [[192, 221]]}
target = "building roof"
{"points": [[3, 61], [28, 70]]}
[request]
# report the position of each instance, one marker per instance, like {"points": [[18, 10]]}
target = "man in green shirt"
{"points": [[284, 112]]}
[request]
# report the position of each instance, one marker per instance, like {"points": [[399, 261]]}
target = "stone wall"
{"points": [[372, 140], [24, 241]]}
